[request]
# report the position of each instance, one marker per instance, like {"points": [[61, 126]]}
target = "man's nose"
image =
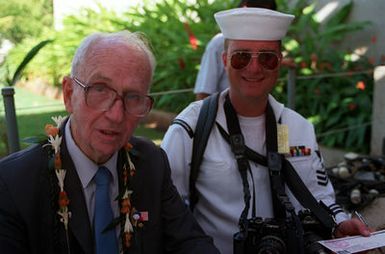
{"points": [[117, 111], [254, 64]]}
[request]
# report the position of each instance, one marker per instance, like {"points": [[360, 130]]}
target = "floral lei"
{"points": [[130, 219]]}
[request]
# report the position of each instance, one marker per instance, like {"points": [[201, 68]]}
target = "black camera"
{"points": [[281, 236], [313, 231]]}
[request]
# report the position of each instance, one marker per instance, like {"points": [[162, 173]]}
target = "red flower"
{"points": [[360, 85], [58, 164], [193, 40], [128, 147], [63, 199]]}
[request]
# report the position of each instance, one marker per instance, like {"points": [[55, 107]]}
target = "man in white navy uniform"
{"points": [[252, 59]]}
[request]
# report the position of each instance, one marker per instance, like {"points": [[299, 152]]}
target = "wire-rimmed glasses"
{"points": [[101, 97]]}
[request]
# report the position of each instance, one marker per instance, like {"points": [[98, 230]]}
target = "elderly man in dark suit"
{"points": [[92, 187]]}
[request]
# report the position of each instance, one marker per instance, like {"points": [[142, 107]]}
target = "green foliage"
{"points": [[179, 32], [20, 19], [28, 57], [331, 102], [12, 81], [54, 61]]}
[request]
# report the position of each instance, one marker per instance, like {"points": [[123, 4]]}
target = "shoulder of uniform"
{"points": [[189, 116]]}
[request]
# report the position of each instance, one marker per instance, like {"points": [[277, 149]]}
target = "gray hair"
{"points": [[135, 39]]}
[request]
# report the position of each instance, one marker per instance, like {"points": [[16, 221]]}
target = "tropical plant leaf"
{"points": [[28, 57]]}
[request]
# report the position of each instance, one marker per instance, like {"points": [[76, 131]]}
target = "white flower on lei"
{"points": [[65, 216], [58, 120], [127, 193], [61, 174], [127, 225], [55, 142]]}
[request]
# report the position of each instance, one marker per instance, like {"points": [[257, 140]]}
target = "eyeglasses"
{"points": [[102, 97], [269, 60]]}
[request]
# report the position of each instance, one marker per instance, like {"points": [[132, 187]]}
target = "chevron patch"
{"points": [[322, 178]]}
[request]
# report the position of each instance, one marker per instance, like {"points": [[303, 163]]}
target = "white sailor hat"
{"points": [[253, 24]]}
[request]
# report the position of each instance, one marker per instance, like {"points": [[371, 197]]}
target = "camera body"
{"points": [[281, 236], [262, 236]]}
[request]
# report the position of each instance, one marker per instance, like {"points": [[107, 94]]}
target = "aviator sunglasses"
{"points": [[269, 60]]}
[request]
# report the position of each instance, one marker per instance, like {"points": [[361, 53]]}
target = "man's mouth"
{"points": [[253, 79], [109, 132]]}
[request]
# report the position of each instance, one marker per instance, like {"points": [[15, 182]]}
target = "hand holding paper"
{"points": [[353, 244]]}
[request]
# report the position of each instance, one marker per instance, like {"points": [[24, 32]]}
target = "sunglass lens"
{"points": [[268, 60], [240, 60]]}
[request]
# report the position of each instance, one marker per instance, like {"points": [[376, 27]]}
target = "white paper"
{"points": [[353, 244]]}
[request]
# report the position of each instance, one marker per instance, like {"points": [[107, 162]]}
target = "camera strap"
{"points": [[274, 163], [281, 170], [238, 148], [290, 175], [281, 202]]}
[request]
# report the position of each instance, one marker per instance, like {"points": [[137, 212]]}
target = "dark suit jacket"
{"points": [[29, 223]]}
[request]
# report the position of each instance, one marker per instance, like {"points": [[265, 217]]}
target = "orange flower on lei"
{"points": [[54, 140]]}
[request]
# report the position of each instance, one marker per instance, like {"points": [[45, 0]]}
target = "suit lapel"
{"points": [[79, 222]]}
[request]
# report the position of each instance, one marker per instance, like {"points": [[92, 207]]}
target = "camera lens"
{"points": [[271, 245]]}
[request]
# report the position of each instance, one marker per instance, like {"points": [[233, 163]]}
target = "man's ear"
{"points": [[224, 58], [67, 93]]}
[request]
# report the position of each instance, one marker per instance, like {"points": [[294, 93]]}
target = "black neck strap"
{"points": [[238, 148], [274, 163], [273, 159]]}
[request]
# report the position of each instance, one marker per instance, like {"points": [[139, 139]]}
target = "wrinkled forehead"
{"points": [[116, 56], [121, 67], [108, 50]]}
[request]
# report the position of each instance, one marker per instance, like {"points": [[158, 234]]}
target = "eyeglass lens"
{"points": [[268, 60], [101, 97]]}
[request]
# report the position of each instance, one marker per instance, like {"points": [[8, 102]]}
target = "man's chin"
{"points": [[104, 152]]}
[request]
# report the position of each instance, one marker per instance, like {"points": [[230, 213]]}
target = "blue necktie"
{"points": [[106, 242]]}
